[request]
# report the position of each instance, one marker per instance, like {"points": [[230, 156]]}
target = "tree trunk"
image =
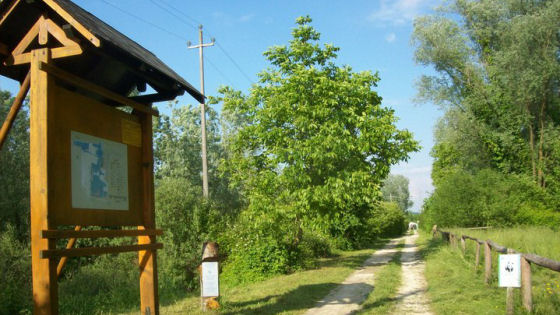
{"points": [[532, 145], [540, 174]]}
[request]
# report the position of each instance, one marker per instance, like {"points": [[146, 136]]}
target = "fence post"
{"points": [[463, 245], [477, 257], [453, 240], [509, 294], [526, 290], [487, 262]]}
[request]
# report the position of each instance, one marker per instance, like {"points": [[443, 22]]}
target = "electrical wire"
{"points": [[224, 51], [168, 32], [157, 4], [144, 20]]}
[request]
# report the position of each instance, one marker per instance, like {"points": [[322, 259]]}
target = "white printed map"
{"points": [[99, 173]]}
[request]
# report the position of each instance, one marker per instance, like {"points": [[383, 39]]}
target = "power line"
{"points": [[219, 71], [145, 21], [234, 63], [173, 13], [181, 12], [183, 38], [222, 49]]}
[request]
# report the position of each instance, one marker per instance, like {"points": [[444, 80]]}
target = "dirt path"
{"points": [[411, 294], [348, 297]]}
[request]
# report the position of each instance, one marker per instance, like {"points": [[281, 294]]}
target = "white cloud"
{"points": [[390, 37], [246, 18], [398, 12]]}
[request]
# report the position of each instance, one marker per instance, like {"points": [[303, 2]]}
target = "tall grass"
{"points": [[456, 286], [542, 241]]}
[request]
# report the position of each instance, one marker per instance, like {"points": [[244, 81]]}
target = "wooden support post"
{"points": [[18, 101], [69, 245], [149, 303], [453, 240], [487, 263], [526, 282], [463, 245], [45, 287], [210, 252], [509, 295], [477, 256]]}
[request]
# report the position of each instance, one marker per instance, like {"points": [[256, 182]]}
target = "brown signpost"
{"points": [[91, 164]]}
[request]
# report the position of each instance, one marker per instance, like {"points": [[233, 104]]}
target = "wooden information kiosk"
{"points": [[91, 163]]}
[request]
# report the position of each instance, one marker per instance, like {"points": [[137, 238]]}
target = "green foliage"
{"points": [[259, 247], [14, 170], [487, 198], [188, 221], [15, 263], [497, 79], [313, 146], [109, 285], [395, 188], [387, 219]]}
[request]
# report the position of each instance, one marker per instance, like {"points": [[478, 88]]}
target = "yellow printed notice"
{"points": [[131, 133]]}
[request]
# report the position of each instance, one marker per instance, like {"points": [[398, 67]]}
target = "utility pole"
{"points": [[200, 47]]}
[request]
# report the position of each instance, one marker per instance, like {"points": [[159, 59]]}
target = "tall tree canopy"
{"points": [[316, 142], [395, 189], [14, 170], [497, 80]]}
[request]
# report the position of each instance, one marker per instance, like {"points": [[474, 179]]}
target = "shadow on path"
{"points": [[297, 299]]}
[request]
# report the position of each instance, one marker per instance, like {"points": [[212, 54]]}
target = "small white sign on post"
{"points": [[210, 281], [510, 270]]}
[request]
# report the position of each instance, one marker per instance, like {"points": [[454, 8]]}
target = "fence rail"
{"points": [[489, 246]]}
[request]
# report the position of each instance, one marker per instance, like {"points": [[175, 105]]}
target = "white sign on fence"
{"points": [[510, 270], [210, 281]]}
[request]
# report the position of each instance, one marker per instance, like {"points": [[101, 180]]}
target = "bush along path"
{"points": [[348, 296], [411, 295]]}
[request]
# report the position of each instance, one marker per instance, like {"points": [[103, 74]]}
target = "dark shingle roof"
{"points": [[144, 66]]}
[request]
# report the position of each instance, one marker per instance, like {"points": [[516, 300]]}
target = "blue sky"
{"points": [[372, 35]]}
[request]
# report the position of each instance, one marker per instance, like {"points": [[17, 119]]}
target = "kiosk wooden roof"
{"points": [[77, 68], [100, 54]]}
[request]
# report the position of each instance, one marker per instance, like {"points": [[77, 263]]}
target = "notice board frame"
{"points": [[78, 113], [46, 192]]}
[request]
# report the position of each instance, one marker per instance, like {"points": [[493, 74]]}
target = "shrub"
{"points": [[15, 263], [487, 198], [388, 220], [261, 245], [110, 284]]}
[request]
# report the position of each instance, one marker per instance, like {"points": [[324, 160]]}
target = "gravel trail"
{"points": [[348, 296], [411, 294]]}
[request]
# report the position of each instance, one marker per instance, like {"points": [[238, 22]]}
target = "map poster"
{"points": [[99, 173]]}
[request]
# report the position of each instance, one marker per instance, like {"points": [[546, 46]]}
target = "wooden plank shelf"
{"points": [[58, 234], [88, 251]]}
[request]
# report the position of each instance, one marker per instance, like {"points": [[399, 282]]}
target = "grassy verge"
{"points": [[284, 294], [455, 287], [388, 279]]}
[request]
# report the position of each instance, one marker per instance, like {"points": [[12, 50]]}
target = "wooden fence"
{"points": [[489, 246]]}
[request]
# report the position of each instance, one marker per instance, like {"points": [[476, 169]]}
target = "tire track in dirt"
{"points": [[412, 293], [348, 296]]}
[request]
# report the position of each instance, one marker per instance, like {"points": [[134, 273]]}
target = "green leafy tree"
{"points": [[498, 77], [316, 143], [14, 171], [395, 189]]}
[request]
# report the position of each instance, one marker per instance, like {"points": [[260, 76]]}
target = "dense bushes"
{"points": [[488, 198], [15, 264]]}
